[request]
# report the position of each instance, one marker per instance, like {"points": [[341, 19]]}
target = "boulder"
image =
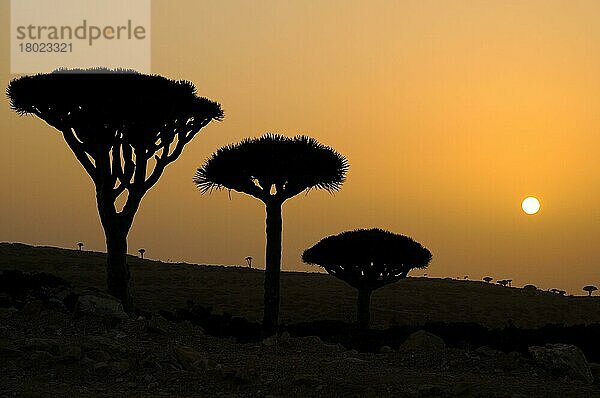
{"points": [[191, 359], [71, 353], [486, 351], [39, 344], [423, 341], [563, 360], [99, 304], [98, 355], [157, 324], [595, 368], [32, 308]]}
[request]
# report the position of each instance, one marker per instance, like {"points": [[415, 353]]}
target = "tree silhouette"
{"points": [[124, 128], [367, 259], [530, 287], [590, 289], [142, 251], [80, 245], [249, 261], [488, 279], [273, 168]]}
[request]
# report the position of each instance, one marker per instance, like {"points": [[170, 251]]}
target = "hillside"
{"points": [[310, 296]]}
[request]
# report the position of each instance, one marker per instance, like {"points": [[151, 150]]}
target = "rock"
{"points": [[119, 367], [486, 351], [7, 353], [307, 380], [160, 360], [94, 342], [285, 338], [333, 348], [72, 353], [563, 359], [100, 366], [385, 349], [241, 376], [509, 362], [56, 304], [85, 361], [32, 308], [6, 313], [146, 379], [315, 340], [99, 304], [191, 359], [98, 355], [423, 341], [353, 360], [40, 356], [5, 300], [38, 344], [157, 324], [595, 369], [187, 327], [270, 341]]}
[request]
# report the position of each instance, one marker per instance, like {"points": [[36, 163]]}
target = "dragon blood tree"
{"points": [[273, 168], [367, 259], [124, 128]]}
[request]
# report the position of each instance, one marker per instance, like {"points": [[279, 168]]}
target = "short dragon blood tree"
{"points": [[368, 259]]}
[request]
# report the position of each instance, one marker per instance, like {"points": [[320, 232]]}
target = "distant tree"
{"points": [[529, 287], [561, 292], [249, 261], [509, 281], [124, 128], [142, 251], [368, 259], [466, 277], [80, 245], [273, 168], [590, 289], [488, 279], [555, 291], [502, 282]]}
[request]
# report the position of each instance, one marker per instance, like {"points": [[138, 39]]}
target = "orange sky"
{"points": [[450, 113]]}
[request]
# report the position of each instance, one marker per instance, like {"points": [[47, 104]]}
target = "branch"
{"points": [[183, 137], [80, 153]]}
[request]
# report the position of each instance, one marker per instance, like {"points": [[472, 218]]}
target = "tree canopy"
{"points": [[368, 258], [117, 122], [273, 167], [106, 106]]}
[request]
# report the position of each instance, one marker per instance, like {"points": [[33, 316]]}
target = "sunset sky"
{"points": [[449, 112]]}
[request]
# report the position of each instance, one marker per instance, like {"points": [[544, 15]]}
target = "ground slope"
{"points": [[310, 296]]}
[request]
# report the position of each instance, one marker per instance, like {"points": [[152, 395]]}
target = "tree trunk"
{"points": [[117, 270], [116, 227], [363, 311], [272, 269]]}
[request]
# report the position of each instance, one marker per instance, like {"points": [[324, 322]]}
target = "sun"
{"points": [[531, 205]]}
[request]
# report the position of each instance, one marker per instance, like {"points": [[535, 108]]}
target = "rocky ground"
{"points": [[65, 342]]}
